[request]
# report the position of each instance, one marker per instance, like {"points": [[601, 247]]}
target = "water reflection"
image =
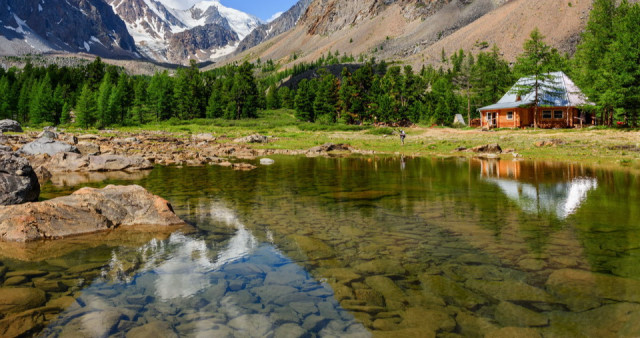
{"points": [[353, 246], [560, 196], [195, 287]]}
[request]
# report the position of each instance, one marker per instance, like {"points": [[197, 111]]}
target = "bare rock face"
{"points": [[45, 145], [18, 181], [10, 125], [86, 211]]}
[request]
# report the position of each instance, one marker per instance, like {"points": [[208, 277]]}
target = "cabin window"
{"points": [[510, 115], [546, 114], [558, 114]]}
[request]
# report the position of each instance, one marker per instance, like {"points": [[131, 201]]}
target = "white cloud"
{"points": [[275, 16]]}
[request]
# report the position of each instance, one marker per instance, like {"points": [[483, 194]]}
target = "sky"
{"points": [[264, 9]]}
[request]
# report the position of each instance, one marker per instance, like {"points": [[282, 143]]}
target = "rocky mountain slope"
{"points": [[282, 24], [416, 31], [34, 26]]}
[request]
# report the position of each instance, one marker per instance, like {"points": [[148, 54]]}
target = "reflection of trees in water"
{"points": [[565, 194]]}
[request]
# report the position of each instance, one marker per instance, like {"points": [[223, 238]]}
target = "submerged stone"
{"points": [[509, 314], [14, 300], [451, 291]]}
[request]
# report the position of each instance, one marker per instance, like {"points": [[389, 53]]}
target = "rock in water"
{"points": [[47, 145], [18, 182], [87, 210], [10, 125], [267, 161]]}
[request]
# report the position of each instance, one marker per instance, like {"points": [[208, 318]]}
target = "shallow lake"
{"points": [[352, 247]]}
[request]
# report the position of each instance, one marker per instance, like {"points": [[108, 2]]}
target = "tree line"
{"points": [[606, 67]]}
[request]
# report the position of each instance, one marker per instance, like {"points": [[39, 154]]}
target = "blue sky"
{"points": [[264, 9]]}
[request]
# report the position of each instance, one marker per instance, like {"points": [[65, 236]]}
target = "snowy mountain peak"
{"points": [[168, 31]]}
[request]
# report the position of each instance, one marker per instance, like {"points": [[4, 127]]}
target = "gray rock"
{"points": [[255, 138], [88, 148], [48, 132], [48, 146], [10, 125], [290, 330], [18, 182], [252, 325], [116, 162], [93, 324]]}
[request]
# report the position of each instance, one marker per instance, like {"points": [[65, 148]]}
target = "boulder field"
{"points": [[86, 211]]}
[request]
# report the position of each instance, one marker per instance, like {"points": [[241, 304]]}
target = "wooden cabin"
{"points": [[559, 106]]}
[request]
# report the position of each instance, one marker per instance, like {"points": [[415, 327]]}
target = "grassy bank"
{"points": [[609, 147]]}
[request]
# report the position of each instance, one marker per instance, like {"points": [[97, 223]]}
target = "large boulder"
{"points": [[87, 210], [116, 162], [18, 181], [72, 162], [45, 145], [10, 125]]}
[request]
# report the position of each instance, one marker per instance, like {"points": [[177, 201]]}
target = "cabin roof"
{"points": [[559, 91]]}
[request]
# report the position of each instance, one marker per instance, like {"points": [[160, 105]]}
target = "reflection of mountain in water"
{"points": [[535, 191], [243, 288], [562, 199]]}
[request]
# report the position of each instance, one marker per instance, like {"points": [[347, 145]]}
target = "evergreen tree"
{"points": [[244, 92], [118, 105], [491, 77], [86, 107], [217, 103], [286, 100], [273, 100], [24, 99], [41, 105], [65, 116], [104, 113], [304, 102], [160, 96], [5, 104], [139, 109]]}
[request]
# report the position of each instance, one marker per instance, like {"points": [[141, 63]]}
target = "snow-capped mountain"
{"points": [[205, 31], [36, 26]]}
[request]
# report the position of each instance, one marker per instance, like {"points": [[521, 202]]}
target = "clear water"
{"points": [[356, 247]]}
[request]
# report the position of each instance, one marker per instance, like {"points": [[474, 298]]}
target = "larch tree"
{"points": [[535, 64]]}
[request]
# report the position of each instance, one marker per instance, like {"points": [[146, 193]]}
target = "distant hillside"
{"points": [[416, 31]]}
